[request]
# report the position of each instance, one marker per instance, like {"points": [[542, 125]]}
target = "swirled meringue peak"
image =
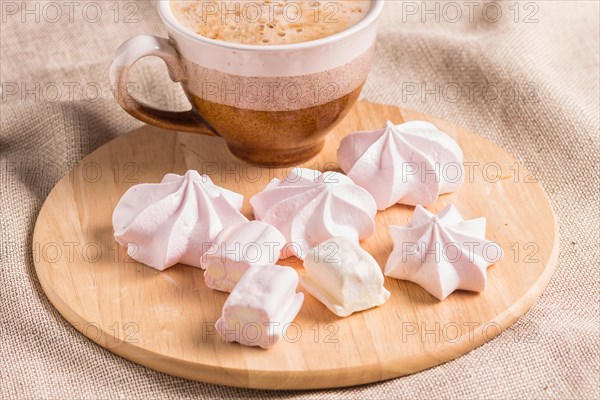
{"points": [[442, 253], [170, 222], [309, 207], [412, 163]]}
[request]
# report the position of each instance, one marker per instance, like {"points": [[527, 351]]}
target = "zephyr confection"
{"points": [[168, 223], [237, 248], [344, 277], [442, 253], [309, 207], [261, 306], [412, 163]]}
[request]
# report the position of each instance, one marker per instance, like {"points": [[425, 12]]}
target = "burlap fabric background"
{"points": [[527, 80]]}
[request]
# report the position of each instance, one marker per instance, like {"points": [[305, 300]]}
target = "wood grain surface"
{"points": [[164, 320]]}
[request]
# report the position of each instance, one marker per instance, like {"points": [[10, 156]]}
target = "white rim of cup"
{"points": [[164, 10]]}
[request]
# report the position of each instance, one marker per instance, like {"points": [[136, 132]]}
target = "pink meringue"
{"points": [[309, 207], [412, 163], [168, 223], [261, 306], [442, 253], [237, 248]]}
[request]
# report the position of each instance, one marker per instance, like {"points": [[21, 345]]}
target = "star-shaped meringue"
{"points": [[170, 222], [442, 253], [309, 207], [412, 163]]}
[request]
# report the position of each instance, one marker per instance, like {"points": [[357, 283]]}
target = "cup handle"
{"points": [[128, 54]]}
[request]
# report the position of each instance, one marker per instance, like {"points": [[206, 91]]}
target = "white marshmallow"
{"points": [[237, 248], [344, 277], [261, 306]]}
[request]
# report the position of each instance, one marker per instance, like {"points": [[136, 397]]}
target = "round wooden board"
{"points": [[164, 320]]}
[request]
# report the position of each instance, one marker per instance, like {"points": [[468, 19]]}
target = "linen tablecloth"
{"points": [[523, 74]]}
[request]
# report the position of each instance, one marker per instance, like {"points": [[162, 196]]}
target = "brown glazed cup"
{"points": [[272, 104]]}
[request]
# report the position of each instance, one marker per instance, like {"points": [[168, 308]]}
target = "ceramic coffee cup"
{"points": [[272, 104]]}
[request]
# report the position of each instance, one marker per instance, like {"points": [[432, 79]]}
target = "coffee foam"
{"points": [[269, 22]]}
